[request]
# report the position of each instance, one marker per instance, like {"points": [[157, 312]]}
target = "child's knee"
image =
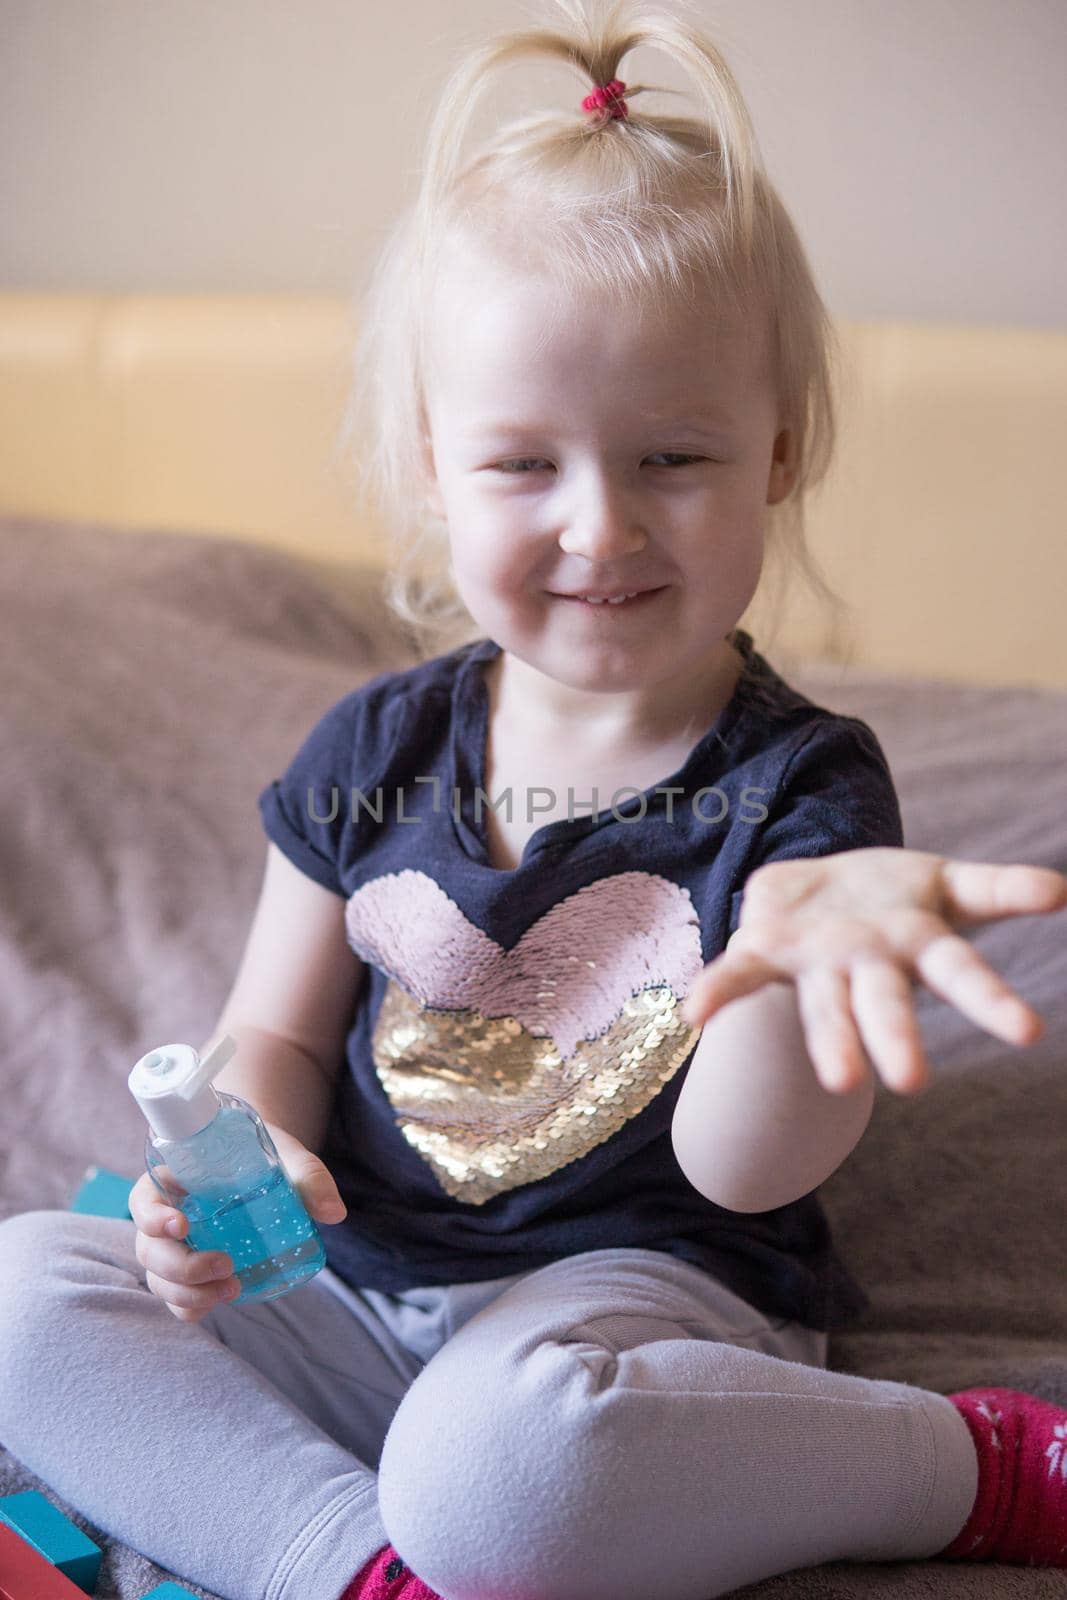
{"points": [[28, 1241], [28, 1259], [476, 1476], [42, 1253]]}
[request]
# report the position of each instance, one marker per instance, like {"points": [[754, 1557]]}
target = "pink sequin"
{"points": [[569, 974]]}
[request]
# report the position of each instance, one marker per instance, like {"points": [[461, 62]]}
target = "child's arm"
{"points": [[753, 1127], [291, 1003]]}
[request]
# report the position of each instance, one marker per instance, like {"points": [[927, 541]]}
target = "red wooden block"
{"points": [[26, 1575]]}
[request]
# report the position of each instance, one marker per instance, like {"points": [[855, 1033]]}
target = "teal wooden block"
{"points": [[169, 1591], [103, 1194], [46, 1530]]}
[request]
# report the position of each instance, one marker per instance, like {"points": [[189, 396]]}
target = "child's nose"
{"points": [[603, 525]]}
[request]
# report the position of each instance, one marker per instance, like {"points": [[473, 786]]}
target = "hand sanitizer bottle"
{"points": [[209, 1154]]}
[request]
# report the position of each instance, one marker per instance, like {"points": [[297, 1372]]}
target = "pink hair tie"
{"points": [[608, 97]]}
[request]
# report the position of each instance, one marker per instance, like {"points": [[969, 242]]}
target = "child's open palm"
{"points": [[853, 930]]}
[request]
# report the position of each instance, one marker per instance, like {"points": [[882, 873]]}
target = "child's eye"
{"points": [[677, 456], [506, 466]]}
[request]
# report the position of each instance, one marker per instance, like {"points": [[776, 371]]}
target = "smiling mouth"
{"points": [[629, 602]]}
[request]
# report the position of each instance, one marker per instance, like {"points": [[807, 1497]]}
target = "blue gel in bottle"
{"points": [[210, 1155]]}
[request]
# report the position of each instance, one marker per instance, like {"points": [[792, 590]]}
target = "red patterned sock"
{"points": [[1020, 1512], [385, 1577]]}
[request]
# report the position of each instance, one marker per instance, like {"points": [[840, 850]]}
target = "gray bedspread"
{"points": [[152, 684]]}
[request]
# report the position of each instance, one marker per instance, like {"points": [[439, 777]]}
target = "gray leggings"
{"points": [[614, 1426]]}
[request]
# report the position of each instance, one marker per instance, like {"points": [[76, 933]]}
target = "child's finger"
{"points": [[147, 1206], [884, 1008], [953, 969], [830, 1032], [732, 974], [321, 1197], [977, 891]]}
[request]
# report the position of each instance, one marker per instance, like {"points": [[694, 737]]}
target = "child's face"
{"points": [[555, 445]]}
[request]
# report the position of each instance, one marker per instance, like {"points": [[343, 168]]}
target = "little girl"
{"points": [[572, 1340]]}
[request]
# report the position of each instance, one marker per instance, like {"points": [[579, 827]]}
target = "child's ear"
{"points": [[784, 466]]}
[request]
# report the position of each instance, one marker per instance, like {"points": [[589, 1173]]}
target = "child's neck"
{"points": [[524, 754], [553, 714]]}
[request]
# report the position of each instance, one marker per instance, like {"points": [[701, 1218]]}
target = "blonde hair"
{"points": [[644, 210]]}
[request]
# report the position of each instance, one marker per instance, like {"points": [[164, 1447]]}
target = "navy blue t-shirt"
{"points": [[516, 1050]]}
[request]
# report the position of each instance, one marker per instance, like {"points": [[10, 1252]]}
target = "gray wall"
{"points": [[242, 145]]}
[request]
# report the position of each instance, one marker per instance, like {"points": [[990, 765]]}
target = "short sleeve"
{"points": [[836, 794], [305, 811]]}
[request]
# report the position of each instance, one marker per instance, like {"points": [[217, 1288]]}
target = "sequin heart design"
{"points": [[504, 1065]]}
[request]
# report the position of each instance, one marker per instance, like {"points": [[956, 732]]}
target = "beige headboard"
{"points": [[942, 524]]}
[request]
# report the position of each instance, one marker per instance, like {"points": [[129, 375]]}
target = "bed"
{"points": [[165, 648]]}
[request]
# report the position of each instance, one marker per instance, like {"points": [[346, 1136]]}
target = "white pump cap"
{"points": [[172, 1087]]}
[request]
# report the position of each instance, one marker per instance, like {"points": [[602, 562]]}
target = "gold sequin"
{"points": [[491, 1106]]}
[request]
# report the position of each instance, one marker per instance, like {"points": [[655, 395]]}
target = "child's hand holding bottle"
{"points": [[189, 1282], [192, 1282]]}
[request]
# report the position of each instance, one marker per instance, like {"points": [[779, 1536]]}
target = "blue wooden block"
{"points": [[46, 1530], [169, 1591], [103, 1194]]}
